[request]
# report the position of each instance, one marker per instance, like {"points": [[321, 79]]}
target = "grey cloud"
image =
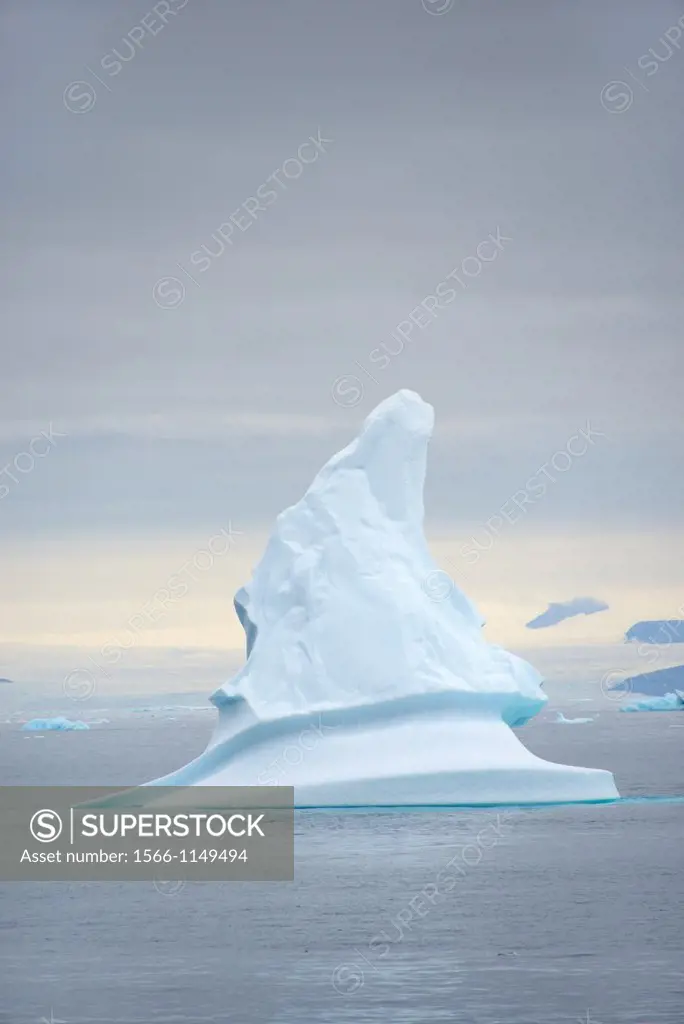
{"points": [[445, 128]]}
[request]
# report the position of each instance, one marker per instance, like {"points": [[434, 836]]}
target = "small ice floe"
{"points": [[562, 720], [53, 725], [669, 702]]}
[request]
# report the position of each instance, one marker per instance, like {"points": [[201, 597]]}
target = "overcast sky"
{"points": [[133, 131]]}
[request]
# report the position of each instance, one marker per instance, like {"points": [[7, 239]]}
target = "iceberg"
{"points": [[657, 684], [657, 631], [367, 678], [53, 725], [562, 720], [562, 610], [668, 702]]}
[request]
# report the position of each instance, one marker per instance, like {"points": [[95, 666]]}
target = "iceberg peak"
{"points": [[391, 453]]}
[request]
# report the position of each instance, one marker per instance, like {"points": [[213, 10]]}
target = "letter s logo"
{"points": [[46, 826]]}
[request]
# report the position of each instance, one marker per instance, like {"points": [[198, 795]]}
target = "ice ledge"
{"points": [[437, 751]]}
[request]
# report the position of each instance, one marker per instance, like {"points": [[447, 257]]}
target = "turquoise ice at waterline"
{"points": [[53, 725]]}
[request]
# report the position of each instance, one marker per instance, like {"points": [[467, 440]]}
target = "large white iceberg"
{"points": [[367, 679]]}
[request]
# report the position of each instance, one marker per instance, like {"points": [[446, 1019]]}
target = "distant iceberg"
{"points": [[562, 610], [367, 679], [657, 631], [657, 684], [669, 702], [562, 720], [53, 725]]}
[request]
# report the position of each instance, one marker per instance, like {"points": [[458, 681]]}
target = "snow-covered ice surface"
{"points": [[668, 702], [368, 680], [53, 725]]}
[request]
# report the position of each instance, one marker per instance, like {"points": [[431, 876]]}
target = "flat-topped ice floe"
{"points": [[367, 679], [53, 725]]}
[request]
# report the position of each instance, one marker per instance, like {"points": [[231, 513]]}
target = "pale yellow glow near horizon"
{"points": [[86, 591], [637, 575]]}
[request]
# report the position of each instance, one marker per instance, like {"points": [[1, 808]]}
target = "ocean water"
{"points": [[562, 914]]}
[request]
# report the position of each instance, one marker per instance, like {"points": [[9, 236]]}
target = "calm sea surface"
{"points": [[563, 914]]}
